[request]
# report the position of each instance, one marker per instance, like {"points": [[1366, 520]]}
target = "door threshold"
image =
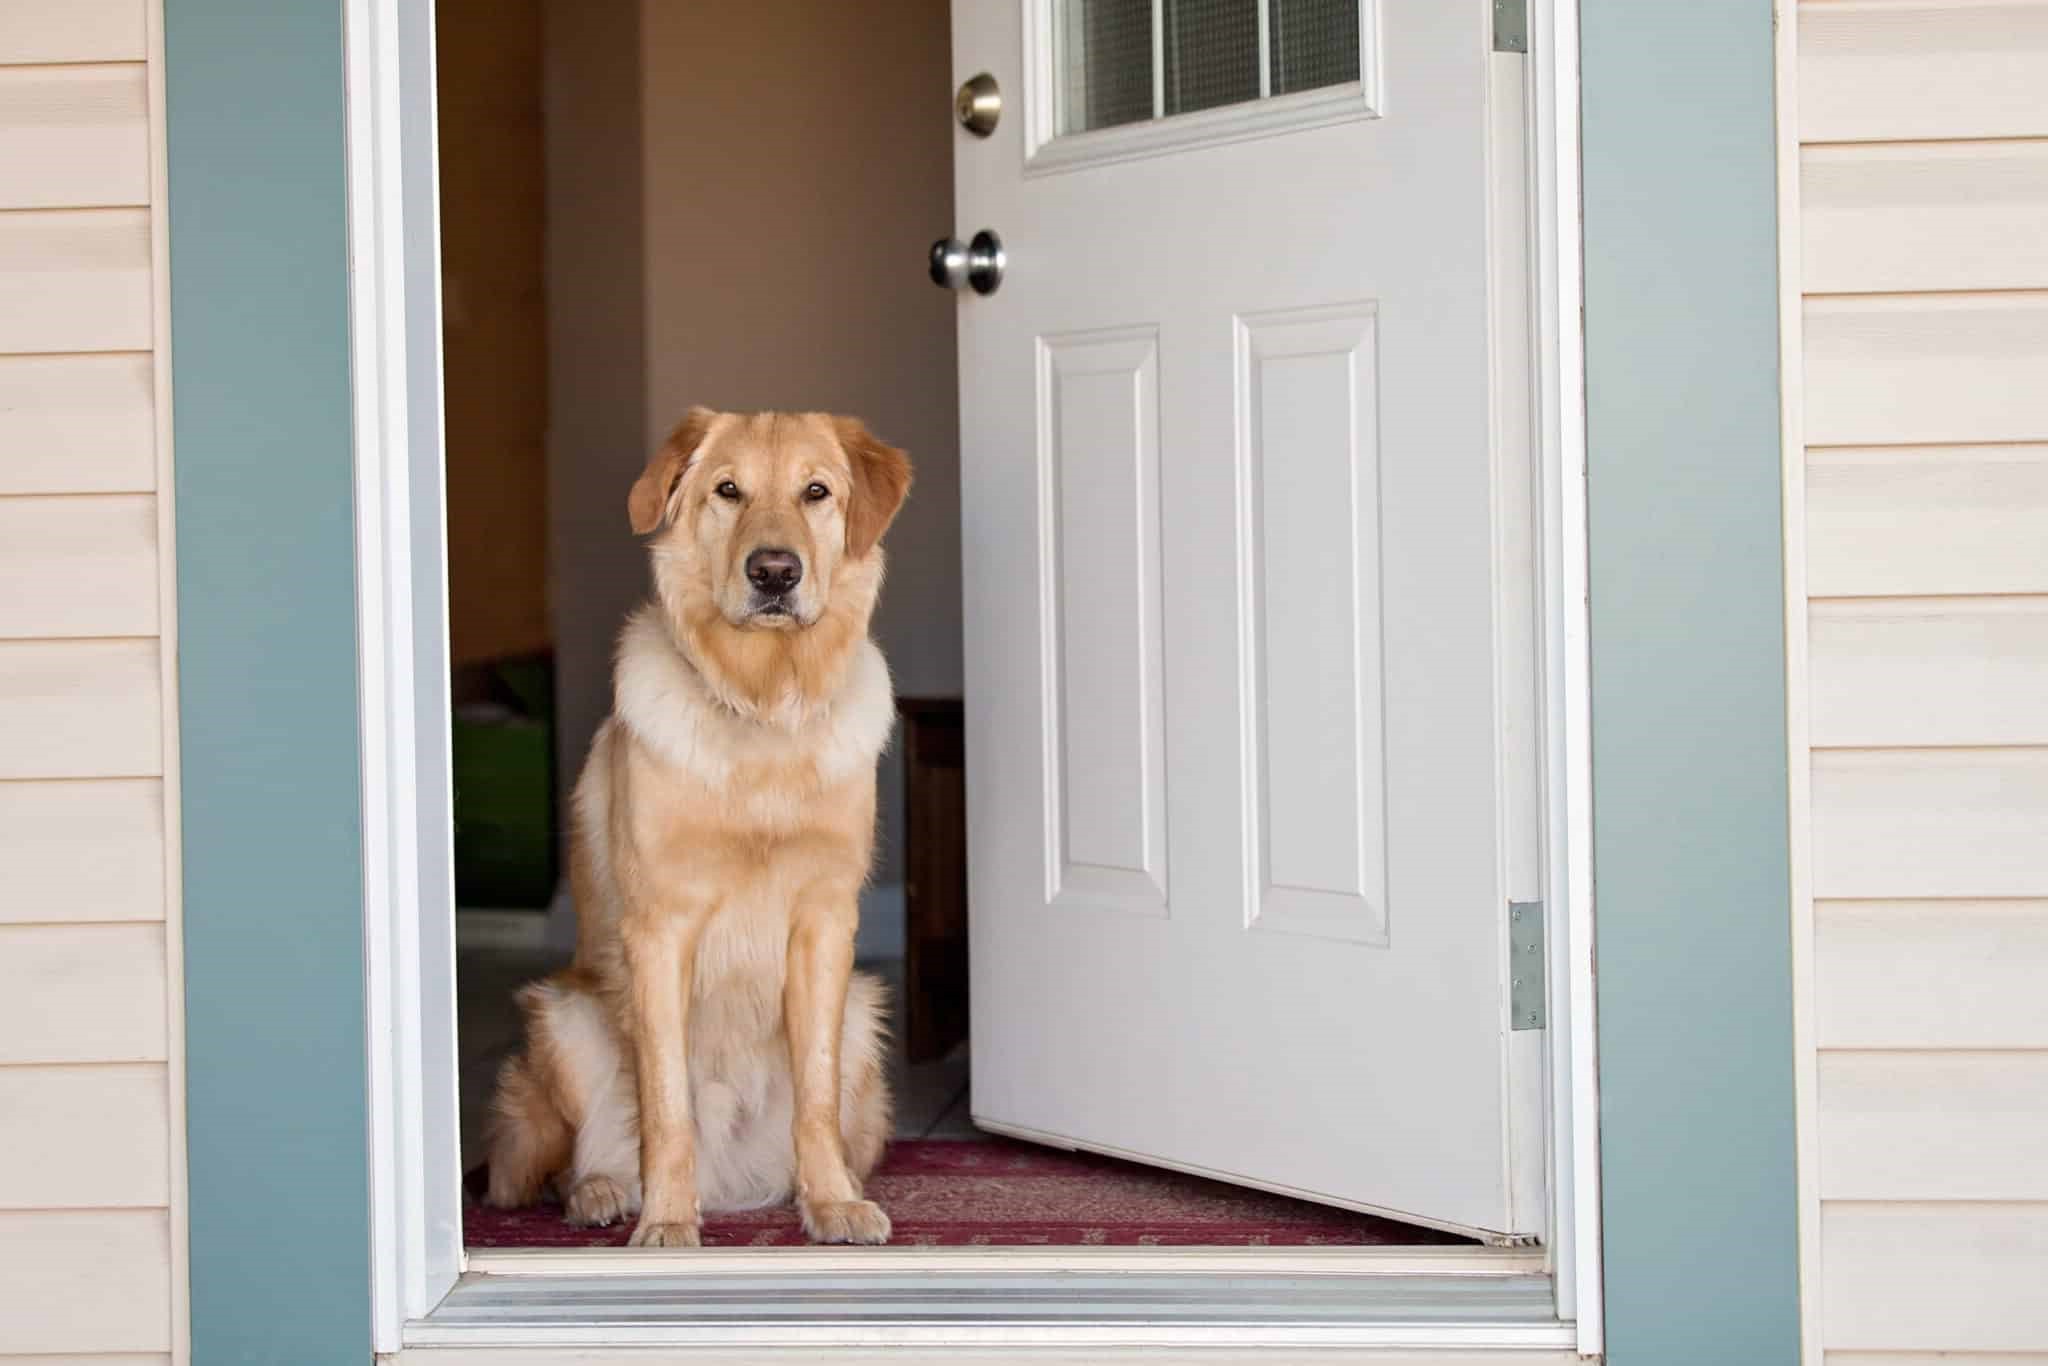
{"points": [[904, 1301], [1426, 1260]]}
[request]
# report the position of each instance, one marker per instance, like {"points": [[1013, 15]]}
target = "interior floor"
{"points": [[944, 1182]]}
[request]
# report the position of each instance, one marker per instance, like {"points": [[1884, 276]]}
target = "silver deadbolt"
{"points": [[978, 104], [979, 264]]}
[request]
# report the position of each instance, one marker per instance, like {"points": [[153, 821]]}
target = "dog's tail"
{"points": [[530, 1139]]}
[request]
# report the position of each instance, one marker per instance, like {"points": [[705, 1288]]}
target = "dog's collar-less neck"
{"points": [[790, 706]]}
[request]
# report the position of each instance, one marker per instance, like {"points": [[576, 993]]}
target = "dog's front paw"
{"points": [[845, 1221], [665, 1235], [599, 1201]]}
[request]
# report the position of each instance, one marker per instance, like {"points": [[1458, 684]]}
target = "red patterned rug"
{"points": [[992, 1192]]}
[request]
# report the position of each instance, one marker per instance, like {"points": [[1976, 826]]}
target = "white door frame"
{"points": [[416, 1253]]}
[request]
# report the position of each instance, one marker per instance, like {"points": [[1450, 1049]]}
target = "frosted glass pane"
{"points": [[1315, 43], [1212, 53], [1107, 54]]}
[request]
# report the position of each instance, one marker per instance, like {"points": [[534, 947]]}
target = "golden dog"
{"points": [[711, 1046]]}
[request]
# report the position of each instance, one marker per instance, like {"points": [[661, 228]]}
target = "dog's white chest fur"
{"points": [[673, 711]]}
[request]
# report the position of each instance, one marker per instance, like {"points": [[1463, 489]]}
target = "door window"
{"points": [[1130, 61]]}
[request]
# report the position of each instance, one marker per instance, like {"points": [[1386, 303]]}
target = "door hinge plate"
{"points": [[1526, 995], [1510, 25]]}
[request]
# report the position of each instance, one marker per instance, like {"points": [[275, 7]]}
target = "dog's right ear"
{"points": [[648, 504]]}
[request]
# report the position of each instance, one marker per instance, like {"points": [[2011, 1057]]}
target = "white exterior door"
{"points": [[1236, 680]]}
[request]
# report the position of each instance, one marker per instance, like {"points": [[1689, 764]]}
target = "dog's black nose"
{"points": [[774, 571]]}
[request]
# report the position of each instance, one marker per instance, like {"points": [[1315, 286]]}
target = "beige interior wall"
{"points": [[597, 368], [741, 194], [488, 70], [798, 160]]}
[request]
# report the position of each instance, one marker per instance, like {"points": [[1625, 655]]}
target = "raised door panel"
{"points": [[1309, 506], [1105, 696]]}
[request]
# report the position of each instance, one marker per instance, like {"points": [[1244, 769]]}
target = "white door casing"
{"points": [[1241, 781], [409, 970]]}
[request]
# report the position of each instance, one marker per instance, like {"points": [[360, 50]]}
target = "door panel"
{"points": [[1099, 417], [1311, 498], [1232, 680]]}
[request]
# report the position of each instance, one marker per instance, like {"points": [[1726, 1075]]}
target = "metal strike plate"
{"points": [[1510, 25], [1526, 968]]}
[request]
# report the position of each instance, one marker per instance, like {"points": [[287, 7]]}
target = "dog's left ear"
{"points": [[647, 505], [881, 478]]}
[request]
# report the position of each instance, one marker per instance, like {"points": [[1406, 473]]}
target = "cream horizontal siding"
{"points": [[1922, 265], [78, 423], [80, 133], [1909, 70], [91, 1116]]}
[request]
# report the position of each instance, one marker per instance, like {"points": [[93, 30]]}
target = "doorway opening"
{"points": [[644, 207], [656, 205]]}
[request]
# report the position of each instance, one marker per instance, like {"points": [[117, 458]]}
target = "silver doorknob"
{"points": [[979, 264]]}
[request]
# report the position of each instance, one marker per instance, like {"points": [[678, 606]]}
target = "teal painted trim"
{"points": [[1689, 743], [276, 1090], [1689, 761]]}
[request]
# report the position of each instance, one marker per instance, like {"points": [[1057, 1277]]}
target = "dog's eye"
{"points": [[817, 493], [728, 491]]}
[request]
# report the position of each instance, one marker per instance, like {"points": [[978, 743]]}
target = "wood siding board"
{"points": [[1891, 824], [80, 709], [1931, 974], [74, 136], [1935, 1277], [84, 1137], [88, 850], [1926, 369], [1930, 671], [82, 1281], [72, 31], [77, 424], [82, 993], [75, 280], [1902, 72], [1889, 218], [1927, 519], [1934, 1125], [78, 566]]}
